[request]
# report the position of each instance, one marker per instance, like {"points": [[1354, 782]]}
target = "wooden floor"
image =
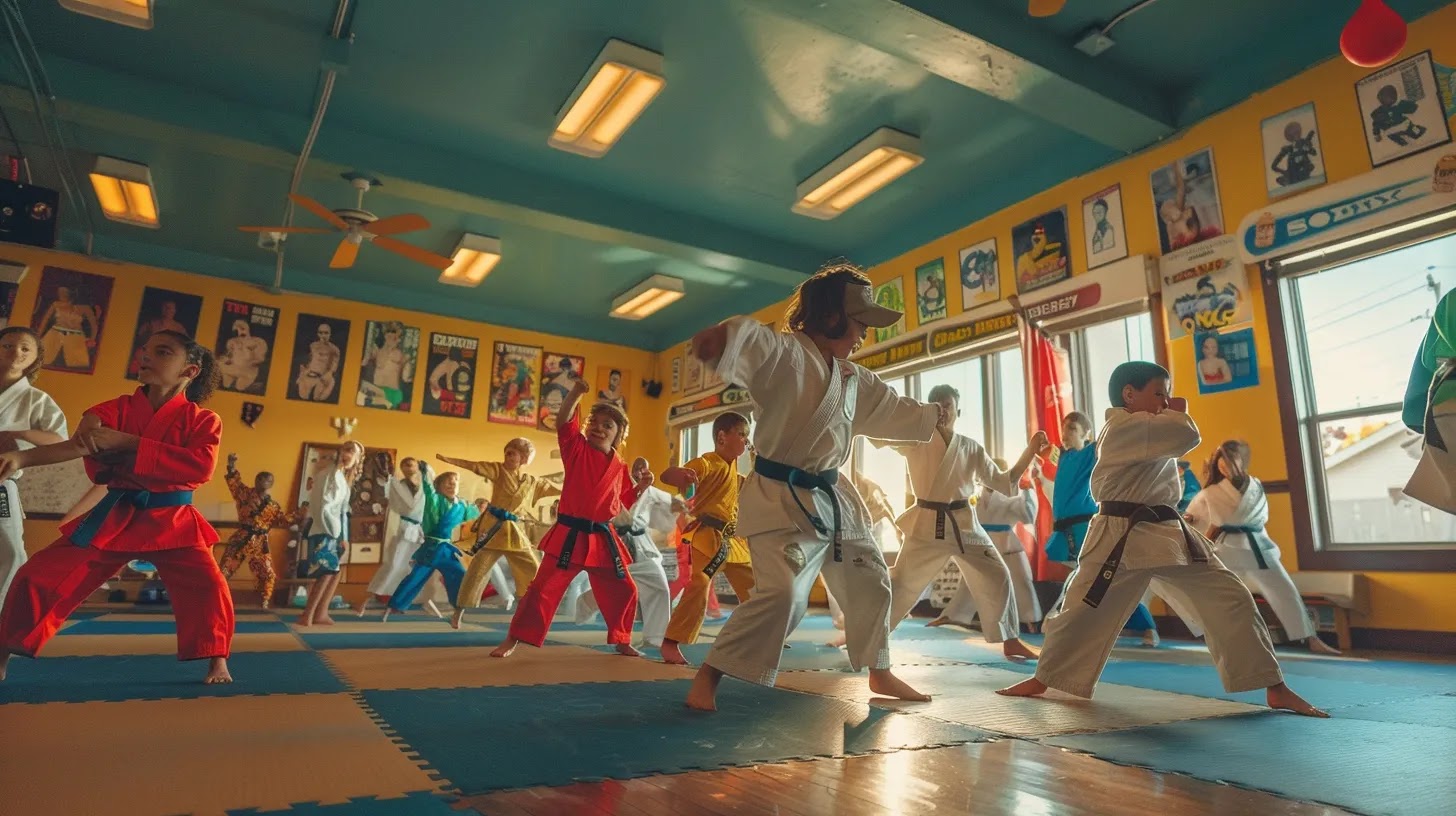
{"points": [[1009, 777]]}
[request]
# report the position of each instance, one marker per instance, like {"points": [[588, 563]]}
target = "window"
{"points": [[1009, 403], [885, 469], [969, 378], [1098, 349], [1352, 331]]}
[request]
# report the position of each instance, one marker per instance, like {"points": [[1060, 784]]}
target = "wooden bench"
{"points": [[1339, 592]]}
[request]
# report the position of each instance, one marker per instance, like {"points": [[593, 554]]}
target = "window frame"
{"points": [[1293, 379]]}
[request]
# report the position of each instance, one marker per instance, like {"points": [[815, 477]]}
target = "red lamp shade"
{"points": [[1374, 36]]}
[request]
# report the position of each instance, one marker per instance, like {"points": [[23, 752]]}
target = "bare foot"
{"points": [[1017, 650], [703, 695], [838, 641], [505, 649], [388, 610], [510, 604], [303, 620], [217, 672], [884, 683], [1030, 687], [1151, 639], [363, 605], [456, 619], [672, 653], [838, 623], [4, 664], [323, 619], [1318, 646], [940, 621], [1283, 698], [628, 650], [434, 610]]}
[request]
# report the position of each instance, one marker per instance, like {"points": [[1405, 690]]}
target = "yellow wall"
{"points": [[1398, 600], [274, 443]]}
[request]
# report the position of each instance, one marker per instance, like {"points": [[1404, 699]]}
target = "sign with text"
{"points": [[894, 355], [952, 337]]}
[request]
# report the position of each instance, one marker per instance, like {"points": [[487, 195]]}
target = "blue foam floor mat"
{"points": [[103, 626], [415, 804], [1436, 677], [1202, 681], [1437, 710], [402, 640], [162, 677], [591, 731], [1361, 765]]}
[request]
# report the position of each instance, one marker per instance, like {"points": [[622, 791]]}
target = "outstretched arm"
{"points": [[568, 405]]}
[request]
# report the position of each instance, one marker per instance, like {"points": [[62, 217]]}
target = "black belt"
{"points": [[628, 533], [727, 528], [796, 478], [1248, 533], [943, 511], [1135, 514], [576, 525], [501, 517]]}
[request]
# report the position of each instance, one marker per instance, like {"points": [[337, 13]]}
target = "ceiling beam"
{"points": [[1002, 55]]}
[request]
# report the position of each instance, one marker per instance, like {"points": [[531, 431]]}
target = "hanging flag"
{"points": [[1049, 397]]}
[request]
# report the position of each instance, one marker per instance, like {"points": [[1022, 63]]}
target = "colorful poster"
{"points": [[318, 342], [387, 371], [1293, 160], [7, 302], [71, 310], [1103, 230], [1401, 110], [692, 373], [1226, 362], [513, 384], [891, 295], [1205, 288], [613, 384], [245, 337], [163, 310], [1185, 200], [980, 274], [1040, 247], [677, 362], [930, 299], [558, 374], [450, 384]]}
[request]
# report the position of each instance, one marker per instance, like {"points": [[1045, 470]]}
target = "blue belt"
{"points": [[140, 499], [1248, 533], [796, 478], [996, 528]]}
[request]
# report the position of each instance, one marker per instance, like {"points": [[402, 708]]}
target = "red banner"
{"points": [[1049, 398]]}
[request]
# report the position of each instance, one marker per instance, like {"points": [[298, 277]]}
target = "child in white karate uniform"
{"points": [[1137, 535]]}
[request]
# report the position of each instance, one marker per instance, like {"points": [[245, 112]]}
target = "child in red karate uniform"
{"points": [[151, 449], [596, 486]]}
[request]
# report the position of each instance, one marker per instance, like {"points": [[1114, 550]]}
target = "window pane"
{"points": [[1370, 317], [966, 377], [1367, 461], [1107, 346], [1011, 404]]}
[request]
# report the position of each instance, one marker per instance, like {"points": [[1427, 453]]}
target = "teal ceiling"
{"points": [[450, 103]]}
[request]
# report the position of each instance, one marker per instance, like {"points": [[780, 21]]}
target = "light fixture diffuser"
{"points": [[882, 157], [621, 83], [124, 190], [647, 298], [474, 257], [132, 13]]}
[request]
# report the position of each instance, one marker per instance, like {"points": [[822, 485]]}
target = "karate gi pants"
{"points": [[1139, 620], [962, 606], [56, 580], [12, 537], [653, 600], [692, 607], [398, 559], [522, 563], [617, 598], [447, 562], [255, 551], [922, 559], [1079, 638], [1274, 584], [785, 564]]}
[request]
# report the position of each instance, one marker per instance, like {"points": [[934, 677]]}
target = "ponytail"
{"points": [[201, 388]]}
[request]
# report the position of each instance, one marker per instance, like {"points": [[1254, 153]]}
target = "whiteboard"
{"points": [[53, 488]]}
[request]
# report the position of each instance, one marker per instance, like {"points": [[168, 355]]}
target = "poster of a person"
{"points": [[387, 373], [244, 347], [1102, 227], [1185, 198], [612, 386], [558, 372], [513, 384], [1402, 110], [317, 354], [1293, 160], [71, 310], [162, 310], [1043, 257], [450, 381], [891, 295], [930, 300], [1226, 361]]}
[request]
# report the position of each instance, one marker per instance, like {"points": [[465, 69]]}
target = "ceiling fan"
{"points": [[360, 225]]}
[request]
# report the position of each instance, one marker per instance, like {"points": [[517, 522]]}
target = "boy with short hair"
{"points": [[1138, 535]]}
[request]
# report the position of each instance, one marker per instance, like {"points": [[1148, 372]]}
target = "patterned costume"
{"points": [[257, 514]]}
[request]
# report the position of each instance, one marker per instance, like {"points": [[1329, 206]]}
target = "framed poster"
{"points": [[513, 384], [891, 295], [557, 373], [162, 310], [1042, 255], [692, 373], [70, 313], [1185, 199], [450, 382], [1103, 231], [676, 379], [7, 302], [387, 370], [612, 385], [246, 333], [930, 299], [317, 341], [1226, 361], [1205, 288], [1292, 158], [980, 274], [1401, 110]]}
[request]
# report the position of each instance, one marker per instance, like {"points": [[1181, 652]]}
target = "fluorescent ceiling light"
{"points": [[133, 13], [620, 84], [647, 297], [124, 190], [882, 157], [474, 257]]}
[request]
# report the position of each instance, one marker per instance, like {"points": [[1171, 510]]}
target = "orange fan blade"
{"points": [[344, 256], [292, 230], [414, 253], [320, 210], [395, 224]]}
